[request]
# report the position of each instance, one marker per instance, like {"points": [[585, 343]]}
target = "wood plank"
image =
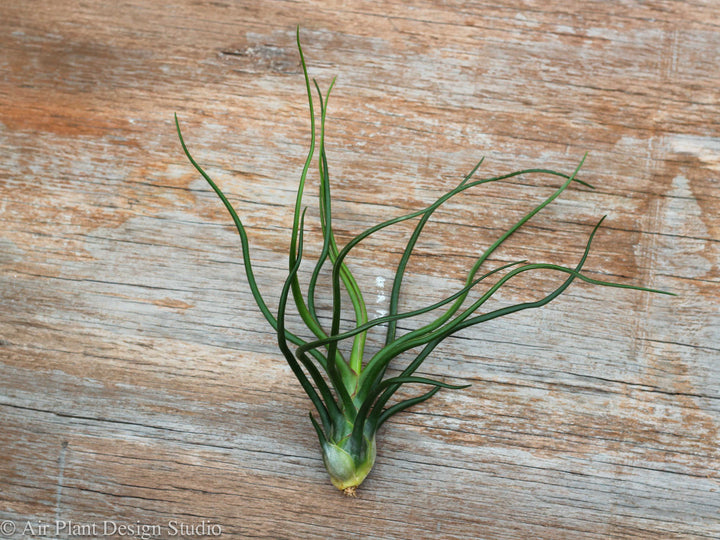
{"points": [[139, 384]]}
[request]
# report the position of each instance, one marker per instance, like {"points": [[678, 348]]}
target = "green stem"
{"points": [[245, 247], [346, 276]]}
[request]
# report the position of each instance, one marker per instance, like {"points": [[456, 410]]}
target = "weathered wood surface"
{"points": [[140, 385]]}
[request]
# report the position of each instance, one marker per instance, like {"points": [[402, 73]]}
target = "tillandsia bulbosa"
{"points": [[351, 394]]}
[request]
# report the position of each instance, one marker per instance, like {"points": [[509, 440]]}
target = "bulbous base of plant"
{"points": [[348, 469]]}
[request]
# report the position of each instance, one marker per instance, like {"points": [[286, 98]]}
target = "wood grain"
{"points": [[139, 384]]}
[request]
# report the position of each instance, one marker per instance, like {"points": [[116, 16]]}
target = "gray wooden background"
{"points": [[139, 385]]}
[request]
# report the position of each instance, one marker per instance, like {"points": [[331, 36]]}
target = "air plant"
{"points": [[351, 394]]}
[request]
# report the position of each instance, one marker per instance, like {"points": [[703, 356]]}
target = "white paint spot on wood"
{"points": [[380, 284], [687, 252], [706, 149]]}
